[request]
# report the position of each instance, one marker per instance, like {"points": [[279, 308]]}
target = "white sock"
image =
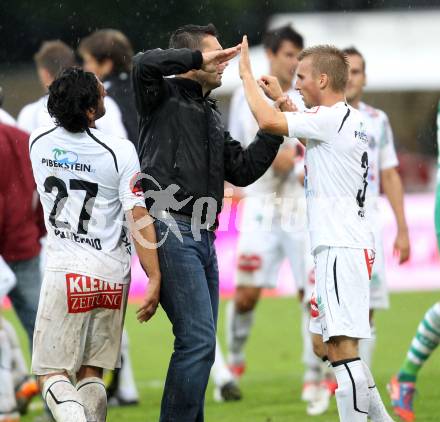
{"points": [[94, 398], [311, 362], [7, 396], [237, 331], [367, 346], [63, 400], [19, 367], [376, 410], [352, 395], [126, 386], [220, 372]]}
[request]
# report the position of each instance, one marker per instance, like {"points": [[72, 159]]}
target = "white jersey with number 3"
{"points": [[336, 168], [85, 181]]}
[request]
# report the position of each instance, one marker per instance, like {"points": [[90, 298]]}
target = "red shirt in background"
{"points": [[21, 215]]}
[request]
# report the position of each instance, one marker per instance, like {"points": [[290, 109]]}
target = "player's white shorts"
{"points": [[342, 292], [79, 322], [379, 297], [261, 253]]}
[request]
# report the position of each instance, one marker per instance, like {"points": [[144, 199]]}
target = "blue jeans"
{"points": [[189, 296], [26, 294]]}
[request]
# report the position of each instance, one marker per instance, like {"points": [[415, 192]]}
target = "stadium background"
{"points": [[411, 104]]}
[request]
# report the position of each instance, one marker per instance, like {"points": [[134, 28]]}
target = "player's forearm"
{"points": [[284, 161], [393, 189], [145, 242], [268, 119]]}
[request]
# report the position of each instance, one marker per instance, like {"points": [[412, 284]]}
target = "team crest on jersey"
{"points": [[87, 293]]}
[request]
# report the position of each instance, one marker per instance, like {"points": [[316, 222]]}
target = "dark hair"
{"points": [[109, 44], [273, 39], [71, 95], [54, 56], [329, 60], [191, 36], [353, 51]]}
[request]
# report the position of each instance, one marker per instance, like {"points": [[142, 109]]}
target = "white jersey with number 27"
{"points": [[85, 182], [336, 171]]}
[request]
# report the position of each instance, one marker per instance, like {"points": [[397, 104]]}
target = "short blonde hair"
{"points": [[329, 60]]}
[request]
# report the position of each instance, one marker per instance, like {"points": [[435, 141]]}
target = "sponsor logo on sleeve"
{"points": [[87, 293]]}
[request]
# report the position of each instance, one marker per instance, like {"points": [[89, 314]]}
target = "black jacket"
{"points": [[182, 140], [119, 88]]}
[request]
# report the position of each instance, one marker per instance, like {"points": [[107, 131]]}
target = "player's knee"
{"points": [[319, 347], [246, 299]]}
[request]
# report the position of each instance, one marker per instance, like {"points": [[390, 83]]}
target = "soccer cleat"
{"points": [[228, 392], [116, 401], [309, 391], [24, 393], [331, 385], [402, 395], [237, 369], [320, 402]]}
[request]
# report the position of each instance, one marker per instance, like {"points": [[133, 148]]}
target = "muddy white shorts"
{"points": [[79, 322], [342, 292]]}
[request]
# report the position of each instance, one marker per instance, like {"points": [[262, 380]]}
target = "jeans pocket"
{"points": [[184, 227]]}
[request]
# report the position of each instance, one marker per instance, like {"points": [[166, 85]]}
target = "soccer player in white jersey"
{"points": [[262, 248], [342, 241], [87, 183], [382, 162], [50, 60]]}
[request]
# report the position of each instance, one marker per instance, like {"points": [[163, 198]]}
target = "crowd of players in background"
{"points": [[259, 254]]}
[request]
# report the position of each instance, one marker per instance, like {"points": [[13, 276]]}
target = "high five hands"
{"points": [[212, 59]]}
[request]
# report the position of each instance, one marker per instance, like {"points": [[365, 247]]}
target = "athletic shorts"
{"points": [[79, 322], [263, 247], [342, 292]]}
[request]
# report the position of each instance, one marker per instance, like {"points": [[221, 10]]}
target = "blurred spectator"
{"points": [[21, 224], [50, 60], [108, 54], [52, 57]]}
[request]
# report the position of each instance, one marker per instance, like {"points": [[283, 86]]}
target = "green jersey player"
{"points": [[426, 340]]}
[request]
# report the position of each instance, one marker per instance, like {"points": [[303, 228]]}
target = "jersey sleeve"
{"points": [[308, 124], [130, 190], [388, 156]]}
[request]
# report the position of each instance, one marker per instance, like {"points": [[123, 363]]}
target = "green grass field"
{"points": [[272, 383]]}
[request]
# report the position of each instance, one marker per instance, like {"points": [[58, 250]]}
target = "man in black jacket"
{"points": [[186, 156]]}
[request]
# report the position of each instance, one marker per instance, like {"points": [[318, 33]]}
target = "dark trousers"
{"points": [[189, 296], [26, 294]]}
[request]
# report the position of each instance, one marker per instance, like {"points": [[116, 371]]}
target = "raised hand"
{"points": [[245, 62], [211, 59], [271, 87], [284, 103]]}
